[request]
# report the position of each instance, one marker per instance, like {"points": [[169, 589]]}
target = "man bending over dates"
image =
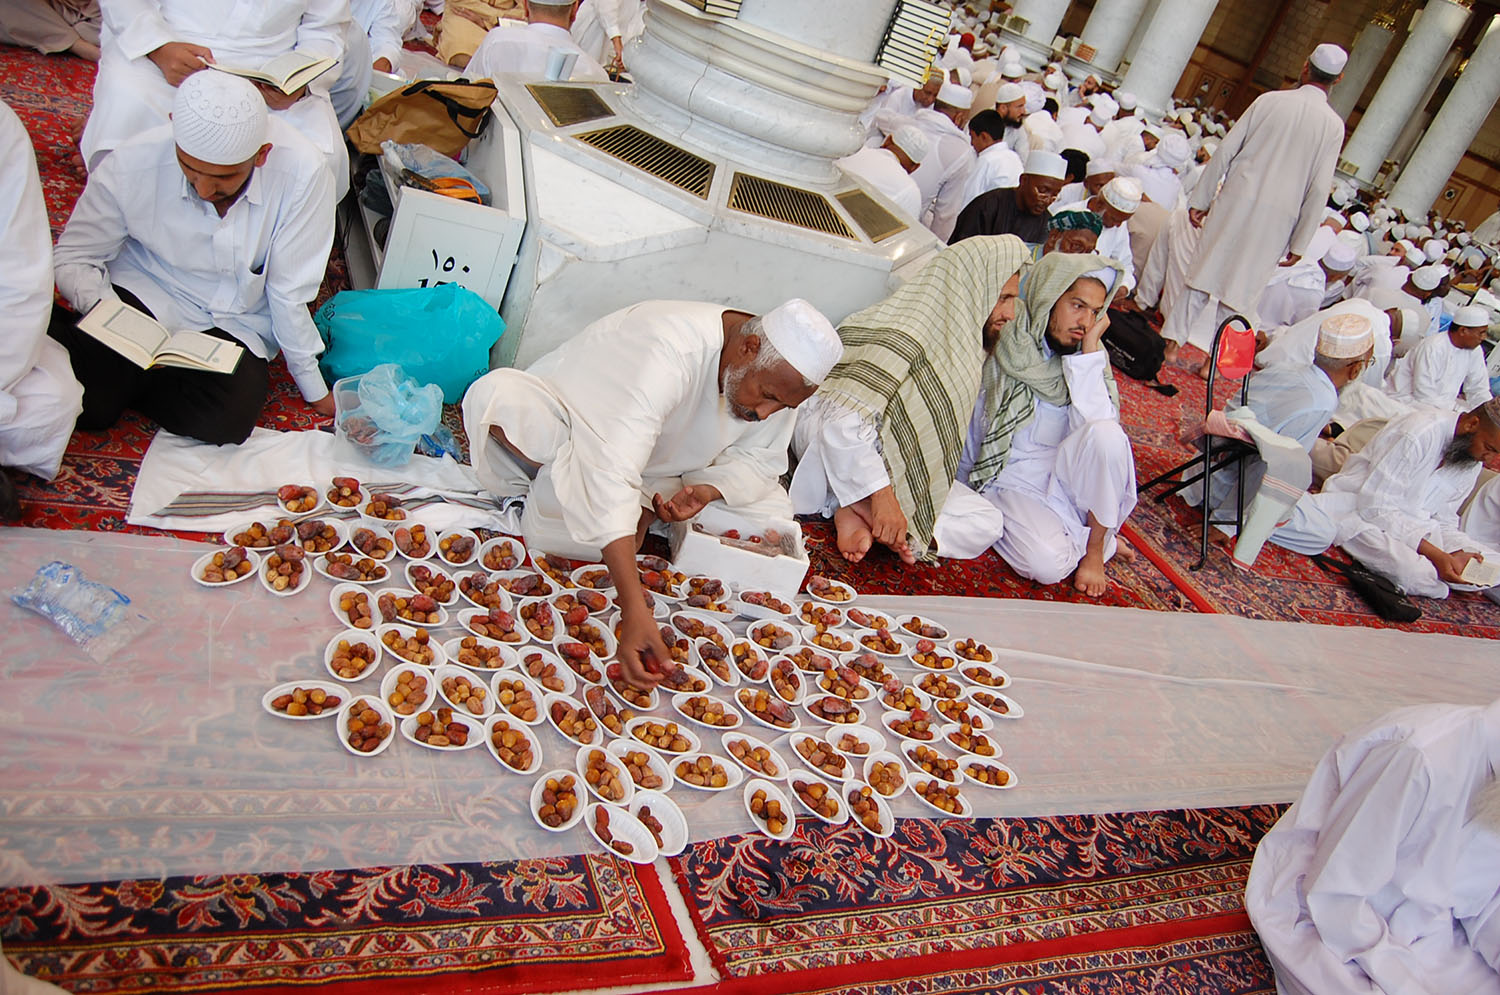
{"points": [[650, 413]]}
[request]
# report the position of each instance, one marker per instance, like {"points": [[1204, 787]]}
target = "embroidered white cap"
{"points": [[1428, 277], [219, 118], [1345, 336], [913, 141], [1125, 99], [1123, 193], [1100, 166], [805, 338]]}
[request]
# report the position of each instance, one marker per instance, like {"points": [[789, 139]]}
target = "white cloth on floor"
{"points": [[628, 407], [997, 166], [1297, 344], [131, 95], [1065, 463], [1378, 880], [519, 49], [39, 397], [174, 466], [839, 459], [1388, 498], [251, 273], [1440, 374], [882, 170]]}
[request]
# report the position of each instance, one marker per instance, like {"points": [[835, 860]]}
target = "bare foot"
{"points": [[1169, 351], [1090, 578], [888, 523], [1203, 370], [854, 538]]}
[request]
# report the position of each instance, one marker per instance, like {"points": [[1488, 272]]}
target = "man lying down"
{"points": [[649, 414]]}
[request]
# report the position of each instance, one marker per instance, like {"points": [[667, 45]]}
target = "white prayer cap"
{"points": [[1345, 336], [1154, 130], [1076, 114], [1173, 150], [1472, 316], [1328, 59], [964, 76], [1044, 163], [1055, 81], [1123, 194], [1193, 129], [1413, 257], [1104, 275], [1099, 118], [1125, 99], [1451, 254], [954, 95], [1329, 214], [804, 337], [1428, 277], [1434, 249], [219, 118], [1340, 257], [1009, 92], [1359, 221], [1463, 238], [913, 141], [1211, 144], [1424, 231], [1012, 70], [1185, 115], [1036, 97], [1103, 101], [1101, 165]]}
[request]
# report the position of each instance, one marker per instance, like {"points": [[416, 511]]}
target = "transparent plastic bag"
{"points": [[430, 163], [384, 413], [96, 617]]}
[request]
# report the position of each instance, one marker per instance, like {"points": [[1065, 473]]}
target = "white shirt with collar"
{"points": [[996, 167], [517, 49], [251, 273]]}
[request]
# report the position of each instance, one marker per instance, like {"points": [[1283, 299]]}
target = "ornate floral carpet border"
{"points": [[518, 926], [838, 907]]}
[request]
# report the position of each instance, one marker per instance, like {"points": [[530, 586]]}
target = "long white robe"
{"points": [[1376, 880], [39, 397], [1440, 374], [1388, 498], [131, 96], [599, 21], [882, 170], [628, 407], [1164, 278], [944, 171], [1481, 521], [1276, 166]]}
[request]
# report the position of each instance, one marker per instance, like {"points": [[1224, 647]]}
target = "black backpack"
{"points": [[1135, 349]]}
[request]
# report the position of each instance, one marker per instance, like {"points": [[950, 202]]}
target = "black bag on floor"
{"points": [[1377, 591], [1135, 349]]}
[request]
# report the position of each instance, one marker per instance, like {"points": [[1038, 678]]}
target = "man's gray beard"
{"points": [[1458, 454], [731, 389]]}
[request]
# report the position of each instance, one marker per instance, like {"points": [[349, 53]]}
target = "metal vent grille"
{"points": [[567, 105], [917, 31], [653, 155], [877, 223], [791, 205]]}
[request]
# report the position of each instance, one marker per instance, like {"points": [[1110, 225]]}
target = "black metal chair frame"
{"points": [[1216, 455]]}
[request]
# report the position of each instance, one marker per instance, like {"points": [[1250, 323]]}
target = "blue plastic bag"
{"points": [[438, 335], [384, 413]]}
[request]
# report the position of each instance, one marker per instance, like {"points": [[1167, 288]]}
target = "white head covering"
{"points": [[1424, 231], [1123, 193], [1009, 92], [913, 141], [1359, 221], [1125, 99], [1463, 238], [1472, 316], [804, 337], [1055, 81], [1173, 150], [1329, 59], [1012, 70], [1044, 163], [219, 118], [1036, 97], [1345, 336], [1340, 257], [1413, 257], [1434, 249], [1042, 132], [955, 95], [1428, 277], [1211, 145], [1100, 165]]}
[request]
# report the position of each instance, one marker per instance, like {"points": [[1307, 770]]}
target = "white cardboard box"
{"points": [[695, 553]]}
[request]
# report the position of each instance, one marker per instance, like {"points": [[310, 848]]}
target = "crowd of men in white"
{"points": [[972, 408]]}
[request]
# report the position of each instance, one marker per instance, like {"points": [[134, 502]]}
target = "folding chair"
{"points": [[1232, 355]]}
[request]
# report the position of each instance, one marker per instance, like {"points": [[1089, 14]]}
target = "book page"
{"points": [[1482, 573], [132, 334], [194, 350]]}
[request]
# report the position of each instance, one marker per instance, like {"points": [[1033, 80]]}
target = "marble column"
{"points": [[851, 28], [1139, 34], [1109, 29], [1043, 18], [1165, 51], [1364, 58], [1401, 91], [1416, 125], [1453, 129]]}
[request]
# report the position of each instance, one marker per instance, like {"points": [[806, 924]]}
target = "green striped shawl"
{"points": [[912, 364], [1020, 369]]}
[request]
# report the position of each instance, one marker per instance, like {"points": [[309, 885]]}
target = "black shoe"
{"points": [[10, 502]]}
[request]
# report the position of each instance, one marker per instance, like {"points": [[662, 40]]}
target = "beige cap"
{"points": [[1345, 336]]}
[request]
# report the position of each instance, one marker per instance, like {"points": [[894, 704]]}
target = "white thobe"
{"points": [[1440, 374], [1066, 462], [131, 96], [1388, 497], [1377, 880], [251, 273], [600, 21], [628, 407], [1276, 167], [1160, 183], [1481, 522], [375, 32], [1113, 242], [944, 171], [519, 49], [882, 170], [1164, 278], [1297, 344], [39, 397], [996, 167], [1292, 294]]}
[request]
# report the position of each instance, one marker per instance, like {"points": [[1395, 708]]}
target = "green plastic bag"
{"points": [[439, 335]]}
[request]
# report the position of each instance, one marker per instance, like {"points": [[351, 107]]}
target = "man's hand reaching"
{"points": [[685, 503], [178, 60]]}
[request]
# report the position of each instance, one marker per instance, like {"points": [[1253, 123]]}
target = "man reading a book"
{"points": [[218, 223]]}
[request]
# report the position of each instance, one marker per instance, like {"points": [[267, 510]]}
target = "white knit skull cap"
{"points": [[219, 118]]}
